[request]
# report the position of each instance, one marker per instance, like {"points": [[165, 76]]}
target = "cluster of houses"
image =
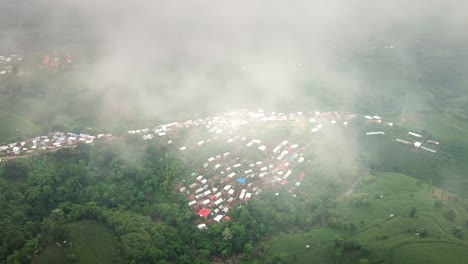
{"points": [[418, 144], [6, 63], [228, 179], [414, 139], [55, 60], [230, 121], [55, 140]]}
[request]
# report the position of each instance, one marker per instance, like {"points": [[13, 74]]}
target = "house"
{"points": [[414, 134], [402, 141], [375, 133], [219, 201], [428, 149], [204, 212], [218, 218]]}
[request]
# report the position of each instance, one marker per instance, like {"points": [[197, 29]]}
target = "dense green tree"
{"points": [[451, 214]]}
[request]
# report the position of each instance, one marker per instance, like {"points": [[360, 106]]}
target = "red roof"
{"points": [[204, 212], [227, 218], [45, 60], [282, 167]]}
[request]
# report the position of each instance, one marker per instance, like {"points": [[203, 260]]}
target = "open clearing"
{"points": [[91, 242]]}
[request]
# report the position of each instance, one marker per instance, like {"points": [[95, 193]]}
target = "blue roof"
{"points": [[298, 184], [241, 180]]}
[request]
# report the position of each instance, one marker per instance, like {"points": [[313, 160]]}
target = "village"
{"points": [[228, 179], [10, 64], [51, 141], [241, 165]]}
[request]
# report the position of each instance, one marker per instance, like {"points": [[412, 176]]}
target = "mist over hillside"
{"points": [[211, 56], [233, 131]]}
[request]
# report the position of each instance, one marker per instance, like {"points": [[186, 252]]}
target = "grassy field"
{"points": [[91, 243], [13, 127], [430, 253], [373, 222]]}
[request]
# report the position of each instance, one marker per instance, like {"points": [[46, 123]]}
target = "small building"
{"points": [[414, 134], [402, 141], [428, 149], [375, 133], [204, 212], [241, 180], [219, 201], [218, 218]]}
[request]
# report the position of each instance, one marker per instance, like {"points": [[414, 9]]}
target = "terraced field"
{"points": [[386, 227]]}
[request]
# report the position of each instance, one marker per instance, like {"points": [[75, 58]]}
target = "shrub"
{"points": [[451, 214], [457, 231], [412, 212], [361, 199]]}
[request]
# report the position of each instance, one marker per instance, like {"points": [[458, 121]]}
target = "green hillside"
{"points": [[389, 239]]}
